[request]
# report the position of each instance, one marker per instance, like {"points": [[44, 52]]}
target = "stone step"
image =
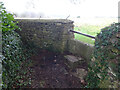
{"points": [[73, 61], [80, 73]]}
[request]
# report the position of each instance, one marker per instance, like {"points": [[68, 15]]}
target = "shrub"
{"points": [[104, 67], [12, 50]]}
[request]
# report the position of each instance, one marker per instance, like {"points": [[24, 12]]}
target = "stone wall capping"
{"points": [[62, 21]]}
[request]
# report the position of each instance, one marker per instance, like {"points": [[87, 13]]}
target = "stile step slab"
{"points": [[80, 73], [73, 61]]}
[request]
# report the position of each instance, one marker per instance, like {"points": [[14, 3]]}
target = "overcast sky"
{"points": [[63, 8]]}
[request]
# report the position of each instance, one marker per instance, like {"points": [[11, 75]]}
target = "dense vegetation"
{"points": [[13, 52], [104, 67]]}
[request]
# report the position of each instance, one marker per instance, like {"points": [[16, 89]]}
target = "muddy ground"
{"points": [[50, 71]]}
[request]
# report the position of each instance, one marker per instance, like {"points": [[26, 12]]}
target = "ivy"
{"points": [[104, 68], [13, 54]]}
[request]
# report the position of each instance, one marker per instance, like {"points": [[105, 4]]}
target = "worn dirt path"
{"points": [[50, 71]]}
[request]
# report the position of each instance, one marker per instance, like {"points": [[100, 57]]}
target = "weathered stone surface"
{"points": [[72, 58], [73, 61], [81, 49], [51, 34], [80, 73]]}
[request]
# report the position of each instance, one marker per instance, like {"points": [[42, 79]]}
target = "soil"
{"points": [[50, 71]]}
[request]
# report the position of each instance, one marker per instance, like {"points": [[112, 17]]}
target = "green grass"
{"points": [[90, 26], [87, 29], [84, 39], [92, 30]]}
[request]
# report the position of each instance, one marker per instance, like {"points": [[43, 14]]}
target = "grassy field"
{"points": [[91, 26]]}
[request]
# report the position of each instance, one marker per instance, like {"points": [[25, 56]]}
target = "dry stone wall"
{"points": [[53, 35], [47, 34]]}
